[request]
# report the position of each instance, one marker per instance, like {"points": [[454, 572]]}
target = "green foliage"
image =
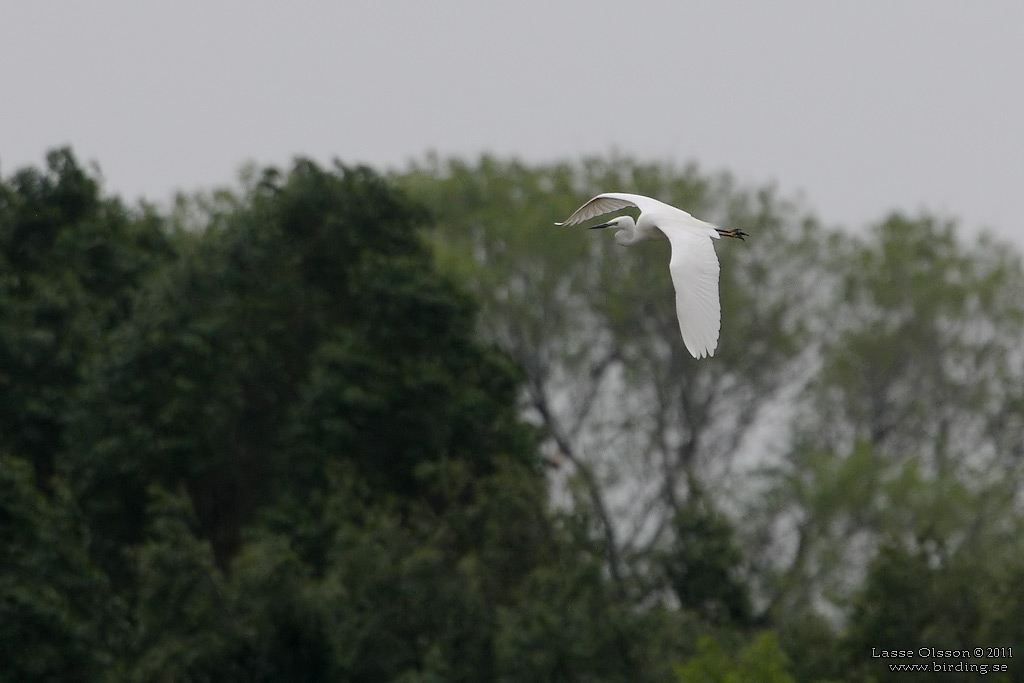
{"points": [[295, 462], [182, 615], [305, 327], [934, 594], [70, 262], [703, 567], [595, 331], [59, 619], [888, 365], [278, 435], [898, 492], [925, 361], [760, 661]]}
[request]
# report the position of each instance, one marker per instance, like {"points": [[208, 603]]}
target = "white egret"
{"points": [[694, 265]]}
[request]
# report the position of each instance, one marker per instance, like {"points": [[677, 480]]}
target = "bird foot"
{"points": [[738, 234]]}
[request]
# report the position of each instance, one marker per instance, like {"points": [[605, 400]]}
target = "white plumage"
{"points": [[693, 266]]}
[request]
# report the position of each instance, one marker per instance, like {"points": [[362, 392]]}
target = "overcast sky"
{"points": [[860, 107]]}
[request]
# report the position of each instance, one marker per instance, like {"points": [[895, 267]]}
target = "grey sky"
{"points": [[861, 106]]}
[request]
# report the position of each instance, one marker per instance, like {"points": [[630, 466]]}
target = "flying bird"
{"points": [[694, 265]]}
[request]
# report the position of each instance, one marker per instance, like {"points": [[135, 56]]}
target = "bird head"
{"points": [[627, 227]]}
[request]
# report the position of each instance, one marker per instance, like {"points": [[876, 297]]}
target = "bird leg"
{"points": [[738, 234]]}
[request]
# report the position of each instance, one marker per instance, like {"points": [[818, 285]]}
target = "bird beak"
{"points": [[603, 225]]}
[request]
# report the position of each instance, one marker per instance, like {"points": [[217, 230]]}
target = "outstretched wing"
{"points": [[694, 268], [602, 204]]}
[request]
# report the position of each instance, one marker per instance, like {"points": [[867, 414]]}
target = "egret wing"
{"points": [[601, 204], [694, 268]]}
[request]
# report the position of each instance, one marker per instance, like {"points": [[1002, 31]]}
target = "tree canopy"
{"points": [[337, 425]]}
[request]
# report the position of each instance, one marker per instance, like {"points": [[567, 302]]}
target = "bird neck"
{"points": [[636, 233], [627, 237]]}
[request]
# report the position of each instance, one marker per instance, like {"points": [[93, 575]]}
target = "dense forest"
{"points": [[334, 424]]}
